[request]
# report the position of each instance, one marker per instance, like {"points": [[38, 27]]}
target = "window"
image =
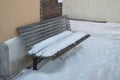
{"points": [[45, 1], [59, 1]]}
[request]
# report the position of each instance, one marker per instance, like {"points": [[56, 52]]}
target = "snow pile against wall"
{"points": [[95, 10]]}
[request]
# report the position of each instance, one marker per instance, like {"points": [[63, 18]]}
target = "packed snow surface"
{"points": [[97, 59], [61, 44]]}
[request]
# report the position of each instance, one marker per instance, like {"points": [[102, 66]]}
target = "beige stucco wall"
{"points": [[100, 10], [14, 13]]}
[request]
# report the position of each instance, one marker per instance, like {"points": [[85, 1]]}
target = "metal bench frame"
{"points": [[39, 31]]}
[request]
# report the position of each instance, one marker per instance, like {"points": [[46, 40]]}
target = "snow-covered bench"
{"points": [[49, 38]]}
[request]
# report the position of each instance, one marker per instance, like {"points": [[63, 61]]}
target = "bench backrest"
{"points": [[36, 32]]}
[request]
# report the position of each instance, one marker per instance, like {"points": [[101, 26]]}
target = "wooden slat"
{"points": [[33, 33], [37, 26], [36, 32], [49, 27], [41, 37], [42, 23]]}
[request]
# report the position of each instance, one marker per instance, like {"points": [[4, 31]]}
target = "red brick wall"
{"points": [[50, 9]]}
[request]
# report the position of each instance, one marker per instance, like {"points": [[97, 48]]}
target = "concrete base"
{"points": [[18, 59], [3, 78], [13, 58], [4, 61]]}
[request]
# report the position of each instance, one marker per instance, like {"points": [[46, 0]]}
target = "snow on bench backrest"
{"points": [[34, 33]]}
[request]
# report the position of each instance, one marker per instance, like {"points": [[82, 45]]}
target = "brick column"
{"points": [[50, 9]]}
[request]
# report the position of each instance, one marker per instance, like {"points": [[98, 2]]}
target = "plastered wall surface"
{"points": [[96, 10], [14, 13]]}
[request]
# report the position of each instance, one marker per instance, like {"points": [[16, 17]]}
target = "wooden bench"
{"points": [[35, 33]]}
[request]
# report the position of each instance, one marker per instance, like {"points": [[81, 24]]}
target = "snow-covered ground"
{"points": [[97, 59], [107, 30]]}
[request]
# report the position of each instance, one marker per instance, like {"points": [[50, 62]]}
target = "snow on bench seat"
{"points": [[41, 45], [61, 44]]}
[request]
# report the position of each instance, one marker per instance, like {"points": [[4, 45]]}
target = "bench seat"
{"points": [[40, 39], [59, 45], [41, 45]]}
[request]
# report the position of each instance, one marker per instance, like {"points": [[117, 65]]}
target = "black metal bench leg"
{"points": [[35, 63]]}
